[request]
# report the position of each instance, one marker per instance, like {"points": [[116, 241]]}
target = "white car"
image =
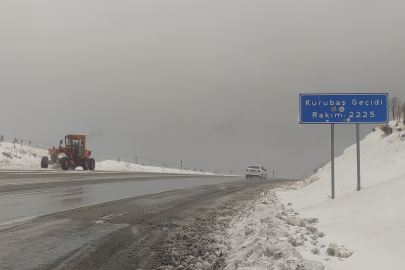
{"points": [[256, 171]]}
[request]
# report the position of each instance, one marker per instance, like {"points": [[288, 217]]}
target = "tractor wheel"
{"points": [[44, 162], [54, 159], [85, 164], [92, 164], [65, 163]]}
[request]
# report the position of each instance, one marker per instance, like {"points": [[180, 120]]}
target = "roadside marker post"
{"points": [[370, 108], [181, 165]]}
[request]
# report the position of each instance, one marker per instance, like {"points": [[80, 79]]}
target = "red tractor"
{"points": [[74, 154]]}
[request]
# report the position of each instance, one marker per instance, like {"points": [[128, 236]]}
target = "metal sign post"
{"points": [[332, 153], [358, 156], [344, 109]]}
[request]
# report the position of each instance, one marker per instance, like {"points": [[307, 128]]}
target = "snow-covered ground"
{"points": [[297, 226], [23, 157], [112, 165], [247, 231], [267, 234], [370, 222]]}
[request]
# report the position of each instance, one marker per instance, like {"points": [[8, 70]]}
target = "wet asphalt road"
{"points": [[96, 220], [27, 194]]}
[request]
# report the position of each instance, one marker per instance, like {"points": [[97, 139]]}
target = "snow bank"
{"points": [[29, 158], [382, 159], [268, 235], [112, 165], [246, 231], [21, 157], [369, 222]]}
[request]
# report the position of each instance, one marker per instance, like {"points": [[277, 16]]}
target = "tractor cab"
{"points": [[76, 144]]}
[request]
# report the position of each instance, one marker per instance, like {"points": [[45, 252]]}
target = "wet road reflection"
{"points": [[18, 207]]}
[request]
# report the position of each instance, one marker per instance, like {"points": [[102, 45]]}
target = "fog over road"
{"points": [[100, 220]]}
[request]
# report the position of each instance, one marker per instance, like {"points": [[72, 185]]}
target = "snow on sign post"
{"points": [[344, 109]]}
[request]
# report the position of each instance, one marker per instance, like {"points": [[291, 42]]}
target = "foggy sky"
{"points": [[214, 83]]}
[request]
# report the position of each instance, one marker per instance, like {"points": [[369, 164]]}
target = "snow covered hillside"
{"points": [[23, 157], [369, 222], [382, 159]]}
